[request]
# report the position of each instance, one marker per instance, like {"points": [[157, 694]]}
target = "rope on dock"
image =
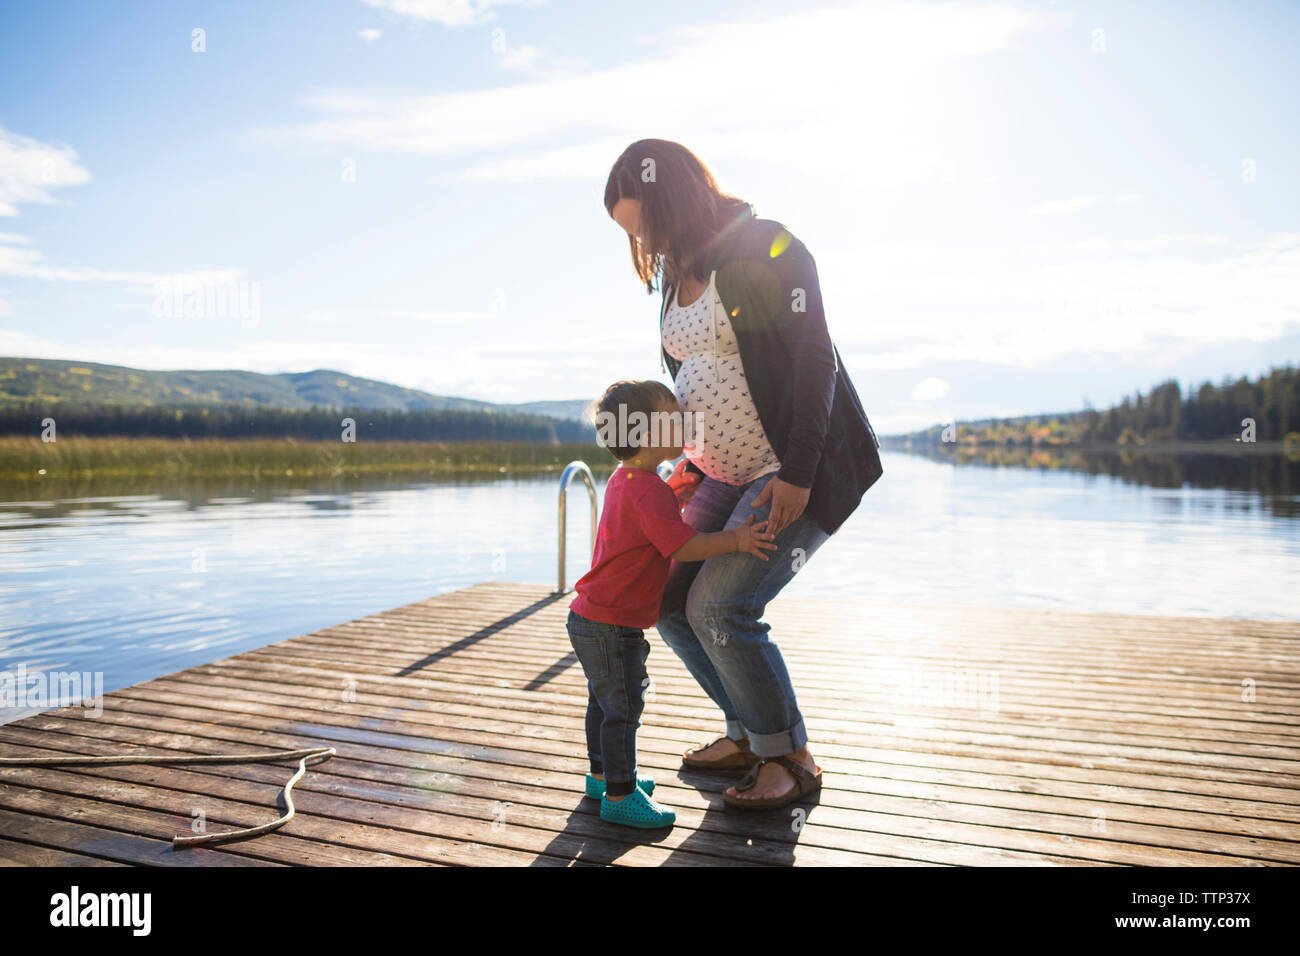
{"points": [[304, 755]]}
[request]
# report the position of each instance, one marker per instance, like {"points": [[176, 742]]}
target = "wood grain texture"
{"points": [[948, 736]]}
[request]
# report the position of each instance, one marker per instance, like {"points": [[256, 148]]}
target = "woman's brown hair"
{"points": [[682, 208]]}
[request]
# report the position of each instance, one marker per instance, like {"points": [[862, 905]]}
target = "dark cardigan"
{"points": [[767, 282]]}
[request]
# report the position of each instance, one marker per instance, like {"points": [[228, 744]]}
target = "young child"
{"points": [[640, 530]]}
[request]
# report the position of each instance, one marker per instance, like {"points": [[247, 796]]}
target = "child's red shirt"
{"points": [[640, 528]]}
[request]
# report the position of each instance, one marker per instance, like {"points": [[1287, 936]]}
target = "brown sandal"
{"points": [[805, 783], [742, 760]]}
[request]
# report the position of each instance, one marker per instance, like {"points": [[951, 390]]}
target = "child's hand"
{"points": [[750, 537]]}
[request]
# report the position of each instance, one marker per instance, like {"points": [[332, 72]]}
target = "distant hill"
{"points": [[24, 380], [572, 409]]}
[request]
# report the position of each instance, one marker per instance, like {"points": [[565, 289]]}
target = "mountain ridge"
{"points": [[85, 383]]}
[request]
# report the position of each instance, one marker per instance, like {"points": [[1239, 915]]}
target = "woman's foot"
{"points": [[722, 754], [775, 780], [722, 747]]}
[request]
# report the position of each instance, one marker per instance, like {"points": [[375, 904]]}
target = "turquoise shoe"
{"points": [[637, 810], [596, 788]]}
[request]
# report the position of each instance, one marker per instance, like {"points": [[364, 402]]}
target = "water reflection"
{"points": [[1275, 477], [137, 585], [135, 580], [50, 498]]}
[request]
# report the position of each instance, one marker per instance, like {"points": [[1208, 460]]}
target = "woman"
{"points": [[778, 432]]}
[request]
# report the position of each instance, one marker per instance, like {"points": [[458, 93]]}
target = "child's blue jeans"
{"points": [[613, 658]]}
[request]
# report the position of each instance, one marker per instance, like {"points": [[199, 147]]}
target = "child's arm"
{"points": [[748, 537]]}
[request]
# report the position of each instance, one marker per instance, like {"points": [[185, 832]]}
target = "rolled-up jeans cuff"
{"points": [[736, 730], [778, 745]]}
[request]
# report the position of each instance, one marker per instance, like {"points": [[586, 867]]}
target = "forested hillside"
{"points": [[1164, 414]]}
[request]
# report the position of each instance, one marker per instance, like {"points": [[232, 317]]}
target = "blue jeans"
{"points": [[710, 617], [613, 658]]}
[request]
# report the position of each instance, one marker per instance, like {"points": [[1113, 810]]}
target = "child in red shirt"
{"points": [[641, 530]]}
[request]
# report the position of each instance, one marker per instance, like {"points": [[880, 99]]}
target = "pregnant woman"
{"points": [[777, 432]]}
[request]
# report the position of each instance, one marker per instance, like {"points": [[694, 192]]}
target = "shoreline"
{"points": [[29, 464], [28, 460], [1207, 447]]}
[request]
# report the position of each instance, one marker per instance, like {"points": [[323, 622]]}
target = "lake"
{"points": [[136, 582]]}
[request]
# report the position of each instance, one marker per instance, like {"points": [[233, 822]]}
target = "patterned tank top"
{"points": [[729, 442]]}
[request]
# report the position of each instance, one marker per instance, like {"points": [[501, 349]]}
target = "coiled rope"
{"points": [[323, 752]]}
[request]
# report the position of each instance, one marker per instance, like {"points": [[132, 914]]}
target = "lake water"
{"points": [[146, 582]]}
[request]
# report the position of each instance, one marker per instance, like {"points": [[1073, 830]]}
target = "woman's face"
{"points": [[627, 213]]}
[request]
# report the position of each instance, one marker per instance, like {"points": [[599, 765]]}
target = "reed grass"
{"points": [[26, 458]]}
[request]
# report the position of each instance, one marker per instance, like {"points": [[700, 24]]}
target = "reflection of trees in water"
{"points": [[198, 492], [1275, 477]]}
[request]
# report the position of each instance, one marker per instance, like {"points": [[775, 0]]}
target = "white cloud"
{"points": [[930, 389], [1167, 240], [19, 156], [795, 90], [588, 161], [258, 355], [1027, 306], [370, 34], [450, 13], [30, 264], [1057, 206], [367, 316], [518, 58], [1185, 240], [30, 171]]}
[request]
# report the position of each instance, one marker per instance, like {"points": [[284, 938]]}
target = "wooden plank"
{"points": [[224, 678], [13, 853], [819, 809], [1078, 824], [1256, 765], [462, 743], [455, 800], [225, 686], [1285, 745], [29, 825]]}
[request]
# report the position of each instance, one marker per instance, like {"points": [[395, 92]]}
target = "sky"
{"points": [[1013, 207]]}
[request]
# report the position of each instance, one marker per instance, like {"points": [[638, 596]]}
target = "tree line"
{"points": [[1267, 409], [1209, 412], [261, 421]]}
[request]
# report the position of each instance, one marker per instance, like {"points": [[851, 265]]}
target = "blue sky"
{"points": [[1014, 207]]}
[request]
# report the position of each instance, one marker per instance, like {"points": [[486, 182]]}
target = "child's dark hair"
{"points": [[646, 397]]}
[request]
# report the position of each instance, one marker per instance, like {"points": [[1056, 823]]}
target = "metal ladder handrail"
{"points": [[571, 470]]}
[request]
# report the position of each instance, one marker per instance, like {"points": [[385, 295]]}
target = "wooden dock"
{"points": [[948, 736]]}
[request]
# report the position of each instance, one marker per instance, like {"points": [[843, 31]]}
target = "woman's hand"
{"points": [[788, 503], [683, 483]]}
